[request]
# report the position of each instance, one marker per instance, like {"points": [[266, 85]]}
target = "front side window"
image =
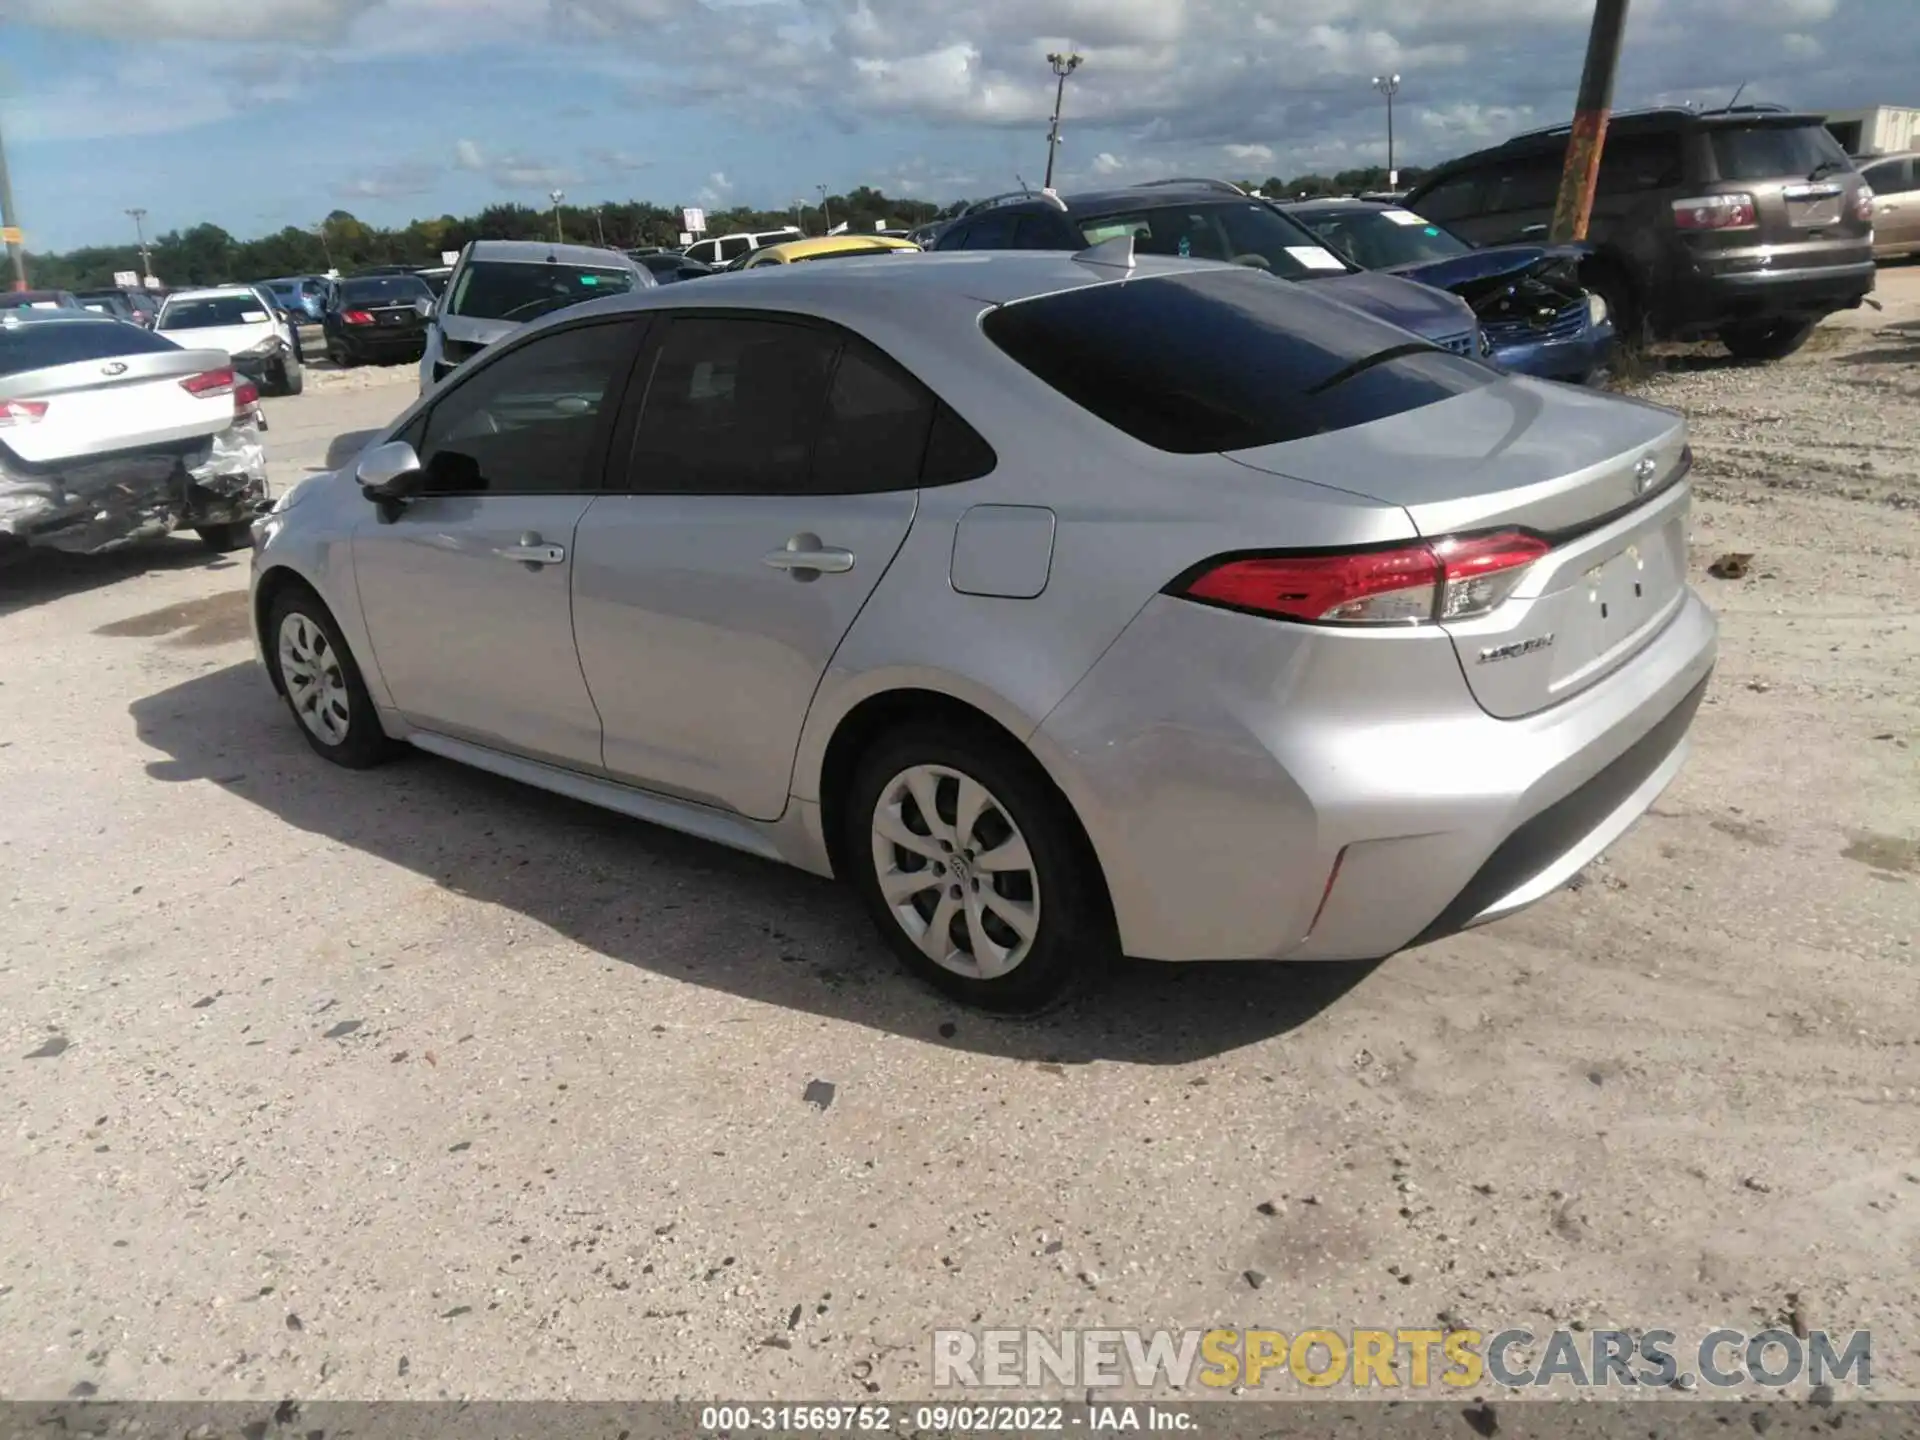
{"points": [[1529, 185], [1224, 360], [1247, 232], [526, 290], [734, 246], [990, 232], [528, 423], [1889, 177]]}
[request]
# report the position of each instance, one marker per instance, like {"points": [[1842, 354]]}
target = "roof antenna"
{"points": [[1738, 93], [1025, 189]]}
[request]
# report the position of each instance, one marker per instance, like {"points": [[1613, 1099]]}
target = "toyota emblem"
{"points": [[117, 367], [1643, 472]]}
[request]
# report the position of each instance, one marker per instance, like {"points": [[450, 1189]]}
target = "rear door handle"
{"points": [[1533, 230], [532, 550], [805, 557]]}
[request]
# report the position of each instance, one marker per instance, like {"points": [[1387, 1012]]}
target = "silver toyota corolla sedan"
{"points": [[1065, 605]]}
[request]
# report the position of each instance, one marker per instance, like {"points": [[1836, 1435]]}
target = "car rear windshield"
{"points": [[524, 290], [1376, 237], [384, 290], [1224, 360], [33, 347], [1775, 152], [1248, 232], [211, 312]]}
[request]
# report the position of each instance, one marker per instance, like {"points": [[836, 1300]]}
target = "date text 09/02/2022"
{"points": [[939, 1419]]}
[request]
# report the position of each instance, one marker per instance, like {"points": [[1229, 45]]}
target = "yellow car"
{"points": [[827, 247]]}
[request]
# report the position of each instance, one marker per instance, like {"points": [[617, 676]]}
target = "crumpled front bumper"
{"points": [[103, 502]]}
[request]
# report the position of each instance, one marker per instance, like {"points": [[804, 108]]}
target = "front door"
{"points": [[771, 478], [466, 590]]}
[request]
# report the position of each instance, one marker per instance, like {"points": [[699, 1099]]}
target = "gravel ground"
{"points": [[415, 1083]]}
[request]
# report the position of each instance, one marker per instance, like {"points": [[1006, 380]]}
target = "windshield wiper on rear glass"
{"points": [[1828, 167]]}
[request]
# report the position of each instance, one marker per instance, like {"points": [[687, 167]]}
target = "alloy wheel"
{"points": [[316, 688], [955, 871]]}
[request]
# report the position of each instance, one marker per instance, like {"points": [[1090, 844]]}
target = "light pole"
{"points": [[799, 219], [826, 218], [1063, 66], [557, 196], [139, 216], [599, 222], [1389, 86], [326, 247]]}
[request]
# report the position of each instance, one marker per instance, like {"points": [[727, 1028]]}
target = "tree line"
{"points": [[206, 254]]}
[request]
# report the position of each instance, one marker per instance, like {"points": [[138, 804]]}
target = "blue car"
{"points": [[1537, 317], [304, 296], [1211, 220]]}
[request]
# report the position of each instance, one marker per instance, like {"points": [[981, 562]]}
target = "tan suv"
{"points": [[1896, 203], [1749, 224]]}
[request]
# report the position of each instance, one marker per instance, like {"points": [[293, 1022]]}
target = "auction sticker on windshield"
{"points": [[1403, 217], [1315, 258]]}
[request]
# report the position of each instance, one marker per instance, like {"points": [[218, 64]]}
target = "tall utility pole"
{"points": [[1590, 113], [139, 216], [11, 219], [799, 222], [557, 196], [1389, 86], [326, 246], [600, 223], [826, 218], [1063, 66]]}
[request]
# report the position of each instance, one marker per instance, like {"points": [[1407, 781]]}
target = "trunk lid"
{"points": [[91, 412], [1601, 478]]}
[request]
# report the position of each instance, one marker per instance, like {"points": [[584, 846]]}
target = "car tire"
{"points": [[315, 671], [232, 535], [1046, 875], [342, 358], [1766, 339], [293, 378]]}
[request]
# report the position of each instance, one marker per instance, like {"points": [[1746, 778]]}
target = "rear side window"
{"points": [[1632, 163], [1224, 360], [1776, 152], [1532, 184], [30, 347], [1453, 199], [990, 232], [734, 247]]}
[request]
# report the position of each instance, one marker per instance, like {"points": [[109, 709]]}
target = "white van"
{"points": [[724, 249]]}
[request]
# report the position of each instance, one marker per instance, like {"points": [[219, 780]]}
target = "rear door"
{"points": [[770, 478]]}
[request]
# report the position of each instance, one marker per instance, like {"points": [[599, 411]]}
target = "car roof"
{"points": [[1654, 120], [214, 292], [537, 252], [818, 245], [1337, 202], [12, 319]]}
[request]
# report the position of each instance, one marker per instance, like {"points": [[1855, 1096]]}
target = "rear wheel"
{"points": [[293, 378], [322, 684], [974, 869], [1766, 339], [234, 535]]}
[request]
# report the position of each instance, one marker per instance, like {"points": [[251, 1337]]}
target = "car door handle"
{"points": [[532, 550], [1533, 229], [805, 557]]}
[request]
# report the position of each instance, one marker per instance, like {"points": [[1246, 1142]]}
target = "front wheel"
{"points": [[322, 684], [1766, 339], [293, 378], [974, 869]]}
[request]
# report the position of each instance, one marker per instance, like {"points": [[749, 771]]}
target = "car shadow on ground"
{"points": [[34, 577], [672, 905], [1900, 345]]}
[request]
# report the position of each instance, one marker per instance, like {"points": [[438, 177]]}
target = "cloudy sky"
{"points": [[263, 113]]}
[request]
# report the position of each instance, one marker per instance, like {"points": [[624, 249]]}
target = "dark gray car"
{"points": [[1749, 224]]}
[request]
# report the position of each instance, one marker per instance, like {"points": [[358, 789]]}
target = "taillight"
{"points": [[1716, 212], [209, 383], [356, 317], [1863, 204], [21, 412], [246, 397], [1453, 579]]}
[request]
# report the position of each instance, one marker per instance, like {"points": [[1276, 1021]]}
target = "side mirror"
{"points": [[388, 472]]}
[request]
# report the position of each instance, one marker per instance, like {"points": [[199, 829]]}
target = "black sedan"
{"points": [[669, 265], [378, 319]]}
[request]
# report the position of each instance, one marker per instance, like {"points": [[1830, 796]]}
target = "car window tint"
{"points": [[213, 312], [526, 290], [527, 423], [1774, 152], [955, 451], [29, 347], [875, 432], [1631, 163], [1449, 200], [1038, 232], [1527, 185], [734, 247], [1889, 177], [991, 232], [1224, 360], [733, 407]]}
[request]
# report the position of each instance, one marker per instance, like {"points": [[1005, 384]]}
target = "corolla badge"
{"points": [[116, 367], [1644, 470]]}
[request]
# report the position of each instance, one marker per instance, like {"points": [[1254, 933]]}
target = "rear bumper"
{"points": [[1723, 297], [1224, 765], [376, 345]]}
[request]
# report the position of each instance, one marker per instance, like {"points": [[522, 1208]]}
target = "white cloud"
{"points": [[467, 156], [389, 182], [1255, 154], [1106, 163], [194, 19]]}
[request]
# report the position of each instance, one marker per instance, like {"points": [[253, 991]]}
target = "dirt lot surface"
{"points": [[416, 1083]]}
